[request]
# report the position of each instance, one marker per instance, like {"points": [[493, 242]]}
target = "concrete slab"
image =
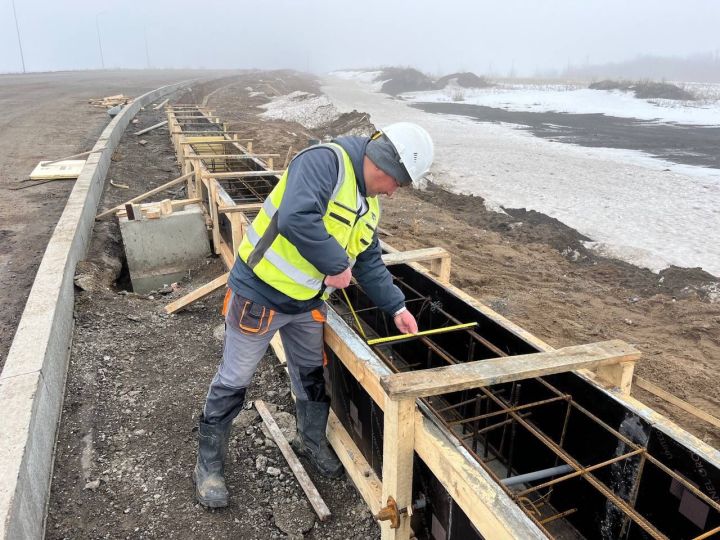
{"points": [[159, 251]]}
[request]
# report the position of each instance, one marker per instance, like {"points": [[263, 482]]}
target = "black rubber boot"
{"points": [[311, 441], [209, 473]]}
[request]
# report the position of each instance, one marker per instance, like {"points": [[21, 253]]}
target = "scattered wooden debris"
{"points": [[110, 101], [123, 186], [317, 502], [145, 195], [142, 142]]}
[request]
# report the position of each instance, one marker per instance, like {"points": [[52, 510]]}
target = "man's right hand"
{"points": [[339, 281]]}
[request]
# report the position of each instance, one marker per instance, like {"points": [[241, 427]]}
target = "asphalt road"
{"points": [[47, 116], [678, 143]]}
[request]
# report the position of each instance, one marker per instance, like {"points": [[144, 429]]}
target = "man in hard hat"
{"points": [[315, 230]]}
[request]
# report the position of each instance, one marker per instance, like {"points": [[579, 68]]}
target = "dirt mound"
{"points": [[646, 89], [465, 79], [400, 80]]}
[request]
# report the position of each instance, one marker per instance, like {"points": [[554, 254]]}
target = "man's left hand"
{"points": [[406, 323]]}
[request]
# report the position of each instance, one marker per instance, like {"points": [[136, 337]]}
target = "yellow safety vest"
{"points": [[276, 261]]}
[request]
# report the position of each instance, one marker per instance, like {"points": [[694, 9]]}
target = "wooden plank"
{"points": [[358, 469], [197, 294], [414, 255], [317, 502], [239, 208], [234, 156], [670, 398], [174, 205], [145, 195], [213, 205], [161, 104], [155, 126], [432, 382], [244, 174], [397, 469], [237, 230]]}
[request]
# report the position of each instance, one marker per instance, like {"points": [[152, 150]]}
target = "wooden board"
{"points": [[356, 466], [317, 502], [197, 294], [59, 170], [397, 469], [432, 382], [414, 255], [684, 405]]}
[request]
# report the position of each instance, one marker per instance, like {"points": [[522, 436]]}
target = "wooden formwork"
{"points": [[205, 151]]}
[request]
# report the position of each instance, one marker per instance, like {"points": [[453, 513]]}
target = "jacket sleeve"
{"points": [[311, 179], [375, 279]]}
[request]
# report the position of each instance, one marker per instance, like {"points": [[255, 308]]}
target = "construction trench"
{"points": [[563, 455]]}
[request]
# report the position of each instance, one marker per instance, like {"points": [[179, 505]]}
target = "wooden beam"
{"points": [[197, 294], [432, 382], [238, 208], [161, 104], [243, 174], [358, 469], [173, 205], [619, 375], [145, 195], [159, 124], [397, 469], [234, 156], [684, 405], [317, 502]]}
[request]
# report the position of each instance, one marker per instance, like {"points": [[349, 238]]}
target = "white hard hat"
{"points": [[413, 145]]}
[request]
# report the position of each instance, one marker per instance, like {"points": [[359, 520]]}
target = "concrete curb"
{"points": [[32, 383]]}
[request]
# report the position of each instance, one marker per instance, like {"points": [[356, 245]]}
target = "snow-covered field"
{"points": [[643, 210], [577, 100]]}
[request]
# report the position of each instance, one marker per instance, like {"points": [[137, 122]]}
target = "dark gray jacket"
{"points": [[311, 179]]}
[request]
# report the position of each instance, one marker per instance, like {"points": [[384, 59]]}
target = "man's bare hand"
{"points": [[339, 281], [406, 323]]}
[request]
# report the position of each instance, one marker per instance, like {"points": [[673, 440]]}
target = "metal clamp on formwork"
{"points": [[391, 513]]}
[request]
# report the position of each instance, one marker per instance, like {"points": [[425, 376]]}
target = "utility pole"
{"points": [[17, 28], [147, 49], [97, 27]]}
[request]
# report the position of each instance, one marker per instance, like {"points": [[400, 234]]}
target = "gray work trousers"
{"points": [[249, 327]]}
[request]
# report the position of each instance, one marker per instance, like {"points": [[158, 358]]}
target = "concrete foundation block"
{"points": [[159, 251]]}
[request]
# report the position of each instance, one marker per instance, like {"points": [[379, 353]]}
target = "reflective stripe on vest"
{"points": [[277, 262]]}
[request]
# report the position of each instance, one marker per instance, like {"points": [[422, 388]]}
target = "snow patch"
{"points": [[310, 110], [574, 100], [643, 210]]}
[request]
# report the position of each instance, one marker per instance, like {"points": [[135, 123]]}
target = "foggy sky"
{"points": [[490, 37]]}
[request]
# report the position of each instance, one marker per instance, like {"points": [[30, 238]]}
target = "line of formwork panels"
{"points": [[220, 196], [340, 434], [618, 416]]}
